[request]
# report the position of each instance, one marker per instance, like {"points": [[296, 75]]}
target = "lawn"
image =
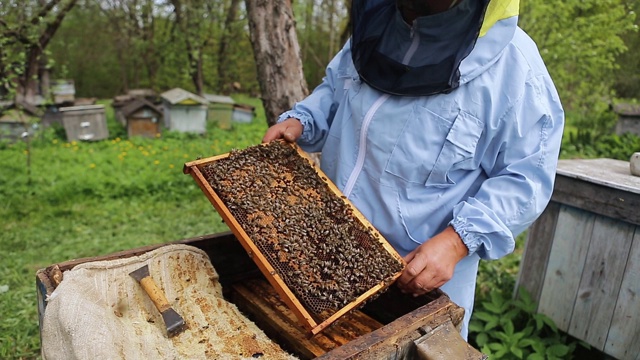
{"points": [[78, 199]]}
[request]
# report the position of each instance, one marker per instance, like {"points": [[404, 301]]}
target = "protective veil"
{"points": [[418, 59]]}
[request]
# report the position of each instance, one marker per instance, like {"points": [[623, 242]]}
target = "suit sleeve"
{"points": [[521, 173]]}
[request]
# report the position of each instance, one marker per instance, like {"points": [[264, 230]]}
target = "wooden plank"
{"points": [[445, 343], [566, 263], [601, 280], [384, 342], [271, 313], [536, 252], [611, 173], [393, 303], [275, 321], [623, 340], [597, 198]]}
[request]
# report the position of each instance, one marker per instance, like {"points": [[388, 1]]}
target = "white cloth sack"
{"points": [[100, 312]]}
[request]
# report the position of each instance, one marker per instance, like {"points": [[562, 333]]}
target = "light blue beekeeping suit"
{"points": [[481, 157]]}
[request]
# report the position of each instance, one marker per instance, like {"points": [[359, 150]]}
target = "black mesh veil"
{"points": [[370, 19]]}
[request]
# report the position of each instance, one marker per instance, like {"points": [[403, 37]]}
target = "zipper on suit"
{"points": [[362, 147]]}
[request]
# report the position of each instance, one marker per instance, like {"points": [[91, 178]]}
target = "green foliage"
{"points": [[504, 328], [507, 328], [138, 49], [627, 80], [580, 41], [25, 30], [585, 144]]}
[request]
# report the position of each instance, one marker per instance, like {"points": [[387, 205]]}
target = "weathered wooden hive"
{"points": [[581, 257], [391, 326]]}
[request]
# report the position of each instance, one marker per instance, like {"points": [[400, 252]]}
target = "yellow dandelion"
{"points": [[171, 166], [55, 141], [74, 143], [92, 166], [158, 135], [26, 152], [117, 139], [156, 162]]}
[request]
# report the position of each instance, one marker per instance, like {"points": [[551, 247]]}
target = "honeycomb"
{"points": [[307, 230]]}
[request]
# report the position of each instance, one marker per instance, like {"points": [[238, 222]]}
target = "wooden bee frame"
{"points": [[311, 320]]}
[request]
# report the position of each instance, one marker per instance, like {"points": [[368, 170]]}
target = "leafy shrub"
{"points": [[586, 144], [507, 328]]}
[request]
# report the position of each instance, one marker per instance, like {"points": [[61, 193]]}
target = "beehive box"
{"points": [[316, 249], [580, 264], [405, 320]]}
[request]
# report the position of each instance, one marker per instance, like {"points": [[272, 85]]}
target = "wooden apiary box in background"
{"points": [[580, 262], [87, 122], [316, 249]]}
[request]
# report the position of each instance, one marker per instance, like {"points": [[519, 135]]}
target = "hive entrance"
{"points": [[325, 252]]}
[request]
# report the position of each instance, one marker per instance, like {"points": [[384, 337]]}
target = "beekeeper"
{"points": [[440, 123]]}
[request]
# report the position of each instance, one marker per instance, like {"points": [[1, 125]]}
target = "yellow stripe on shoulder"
{"points": [[499, 10]]}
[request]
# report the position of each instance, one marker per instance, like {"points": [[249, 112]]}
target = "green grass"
{"points": [[87, 199]]}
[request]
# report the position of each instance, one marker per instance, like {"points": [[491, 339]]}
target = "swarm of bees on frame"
{"points": [[308, 233]]}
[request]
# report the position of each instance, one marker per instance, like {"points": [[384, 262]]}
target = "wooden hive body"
{"points": [[405, 320]]}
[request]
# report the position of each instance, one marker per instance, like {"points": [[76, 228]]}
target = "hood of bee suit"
{"points": [[434, 54]]}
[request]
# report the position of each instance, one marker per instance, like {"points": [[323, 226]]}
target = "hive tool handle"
{"points": [[172, 320]]}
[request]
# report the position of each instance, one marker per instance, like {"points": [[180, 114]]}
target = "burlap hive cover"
{"points": [[100, 312]]}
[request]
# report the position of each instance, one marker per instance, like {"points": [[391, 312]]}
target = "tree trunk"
{"points": [[196, 70], [28, 81], [224, 85], [332, 29], [277, 53], [346, 32], [197, 35]]}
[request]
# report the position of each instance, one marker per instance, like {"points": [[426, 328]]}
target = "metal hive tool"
{"points": [[314, 247]]}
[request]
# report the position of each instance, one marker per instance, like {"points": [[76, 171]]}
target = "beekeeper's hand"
{"points": [[432, 264], [289, 130]]}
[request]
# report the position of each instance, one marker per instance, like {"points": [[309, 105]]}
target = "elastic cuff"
{"points": [[470, 239], [304, 120]]}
